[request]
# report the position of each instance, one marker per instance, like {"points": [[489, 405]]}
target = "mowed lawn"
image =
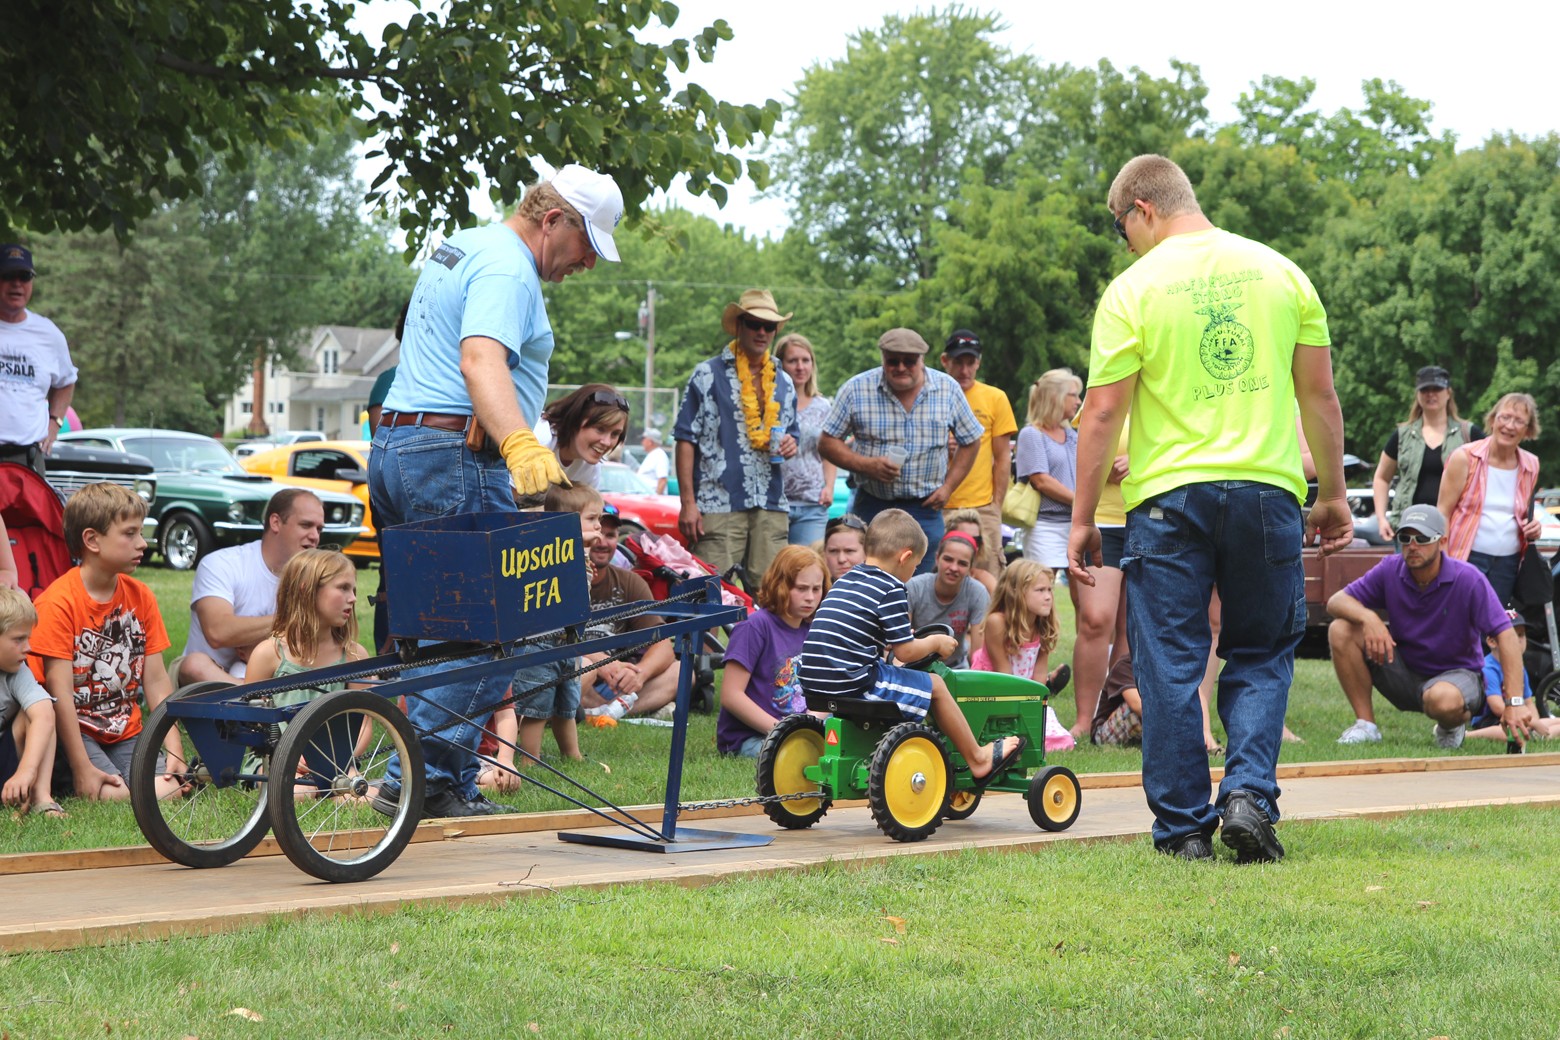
{"points": [[628, 764], [1437, 924]]}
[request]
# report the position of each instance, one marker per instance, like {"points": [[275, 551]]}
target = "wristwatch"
{"points": [[1516, 702]]}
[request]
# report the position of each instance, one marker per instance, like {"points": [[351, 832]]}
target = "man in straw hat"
{"points": [[737, 421], [455, 434]]}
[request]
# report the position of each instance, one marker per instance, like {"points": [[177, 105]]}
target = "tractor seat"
{"points": [[857, 709]]}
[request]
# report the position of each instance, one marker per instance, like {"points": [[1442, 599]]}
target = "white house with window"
{"points": [[329, 395]]}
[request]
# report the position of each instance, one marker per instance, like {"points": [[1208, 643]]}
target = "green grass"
{"points": [[1364, 931], [628, 764]]}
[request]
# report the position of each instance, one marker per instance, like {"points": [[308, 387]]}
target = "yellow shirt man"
{"points": [[987, 482]]}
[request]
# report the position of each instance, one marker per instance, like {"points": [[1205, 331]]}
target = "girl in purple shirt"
{"points": [[759, 685]]}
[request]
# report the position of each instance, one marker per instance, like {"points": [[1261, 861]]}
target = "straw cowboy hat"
{"points": [[757, 302]]}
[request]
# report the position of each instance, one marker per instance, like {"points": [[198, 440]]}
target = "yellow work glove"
{"points": [[531, 466]]}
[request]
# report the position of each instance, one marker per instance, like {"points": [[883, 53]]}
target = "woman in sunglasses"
{"points": [[583, 428], [1487, 490]]}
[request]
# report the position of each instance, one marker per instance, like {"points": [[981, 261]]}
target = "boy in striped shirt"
{"points": [[866, 611]]}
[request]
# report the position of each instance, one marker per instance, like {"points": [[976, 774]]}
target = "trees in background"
{"points": [[115, 105]]}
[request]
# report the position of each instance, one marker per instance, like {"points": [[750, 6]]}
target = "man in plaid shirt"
{"points": [[899, 418]]}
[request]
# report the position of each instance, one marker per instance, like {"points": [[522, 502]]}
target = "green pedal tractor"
{"points": [[910, 777]]}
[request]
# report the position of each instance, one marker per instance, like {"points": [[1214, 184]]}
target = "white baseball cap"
{"points": [[598, 200]]}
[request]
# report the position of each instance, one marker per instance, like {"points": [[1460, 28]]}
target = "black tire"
{"points": [[962, 802], [795, 741], [629, 529], [908, 782], [218, 820], [1547, 694], [1054, 798], [183, 538], [324, 820]]}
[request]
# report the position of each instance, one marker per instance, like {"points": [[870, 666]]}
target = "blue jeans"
{"points": [[807, 523], [416, 473], [867, 506], [1244, 537], [1501, 572]]}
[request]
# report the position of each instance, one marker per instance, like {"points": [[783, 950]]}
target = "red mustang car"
{"points": [[638, 506]]}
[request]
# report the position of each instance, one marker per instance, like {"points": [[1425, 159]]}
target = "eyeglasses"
{"points": [[1120, 223], [758, 324], [900, 360], [850, 520], [616, 400], [1414, 538], [16, 276]]}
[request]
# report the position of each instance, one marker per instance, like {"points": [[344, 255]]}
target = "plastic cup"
{"points": [[896, 455]]}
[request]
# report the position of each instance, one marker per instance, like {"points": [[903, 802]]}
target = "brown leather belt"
{"points": [[432, 420]]}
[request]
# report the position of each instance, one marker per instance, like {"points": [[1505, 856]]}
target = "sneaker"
{"points": [[1248, 830], [1361, 732], [386, 802], [1449, 738], [487, 805], [1192, 847], [666, 712]]}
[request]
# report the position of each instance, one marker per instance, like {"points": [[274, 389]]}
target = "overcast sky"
{"points": [[1487, 67]]}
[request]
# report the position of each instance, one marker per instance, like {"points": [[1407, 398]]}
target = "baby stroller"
{"points": [[662, 562], [35, 526], [1543, 667]]}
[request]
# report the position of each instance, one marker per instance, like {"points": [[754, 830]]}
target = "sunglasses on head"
{"points": [[758, 324], [16, 276], [610, 397], [1414, 538], [850, 520]]}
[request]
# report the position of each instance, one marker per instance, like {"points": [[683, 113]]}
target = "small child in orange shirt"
{"points": [[97, 647]]}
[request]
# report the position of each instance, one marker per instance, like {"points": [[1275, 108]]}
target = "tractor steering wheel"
{"points": [[925, 663]]}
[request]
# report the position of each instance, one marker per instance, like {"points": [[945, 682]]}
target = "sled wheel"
{"points": [[1055, 798], [333, 817], [1548, 695], [794, 743], [962, 803], [215, 820], [907, 782]]}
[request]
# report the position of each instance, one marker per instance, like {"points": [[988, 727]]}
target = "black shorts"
{"points": [[1113, 543]]}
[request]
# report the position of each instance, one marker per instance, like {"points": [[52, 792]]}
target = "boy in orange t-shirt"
{"points": [[98, 645]]}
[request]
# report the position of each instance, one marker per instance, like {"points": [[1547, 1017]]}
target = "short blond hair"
{"points": [[543, 198], [1525, 400], [1155, 179], [1048, 397], [16, 610], [97, 507], [572, 499], [893, 531]]}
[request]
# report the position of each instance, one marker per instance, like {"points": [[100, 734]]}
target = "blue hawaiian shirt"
{"points": [[868, 410], [728, 475]]}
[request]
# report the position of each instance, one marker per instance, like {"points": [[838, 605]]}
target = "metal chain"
{"points": [[737, 803]]}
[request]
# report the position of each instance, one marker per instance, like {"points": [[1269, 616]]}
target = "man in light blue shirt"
{"points": [[455, 434]]}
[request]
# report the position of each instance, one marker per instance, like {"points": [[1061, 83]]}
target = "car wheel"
{"points": [[183, 539], [629, 529]]}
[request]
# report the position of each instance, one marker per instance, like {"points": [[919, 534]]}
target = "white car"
{"points": [[247, 448]]}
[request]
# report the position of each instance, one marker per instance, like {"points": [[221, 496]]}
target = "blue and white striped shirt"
{"points": [[866, 610]]}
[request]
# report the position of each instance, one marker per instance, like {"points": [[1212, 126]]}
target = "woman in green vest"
{"points": [[1415, 454]]}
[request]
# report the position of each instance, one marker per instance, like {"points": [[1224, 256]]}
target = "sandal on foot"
{"points": [[49, 809], [1001, 763]]}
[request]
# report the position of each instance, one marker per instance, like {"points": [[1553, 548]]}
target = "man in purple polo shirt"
{"points": [[1439, 610]]}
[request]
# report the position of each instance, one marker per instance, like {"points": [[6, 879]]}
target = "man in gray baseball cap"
{"points": [[1440, 610]]}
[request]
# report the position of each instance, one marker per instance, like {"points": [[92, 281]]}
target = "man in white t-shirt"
{"points": [[37, 378], [234, 598], [656, 467]]}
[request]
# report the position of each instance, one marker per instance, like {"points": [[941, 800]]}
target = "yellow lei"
{"points": [[758, 425]]}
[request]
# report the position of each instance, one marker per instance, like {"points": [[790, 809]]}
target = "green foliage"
{"points": [[124, 98], [274, 246], [877, 145], [1455, 268]]}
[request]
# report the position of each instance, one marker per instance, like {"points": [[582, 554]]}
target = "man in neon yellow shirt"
{"points": [[987, 482], [1207, 339]]}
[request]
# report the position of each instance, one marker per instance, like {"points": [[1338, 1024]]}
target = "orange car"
{"points": [[327, 466]]}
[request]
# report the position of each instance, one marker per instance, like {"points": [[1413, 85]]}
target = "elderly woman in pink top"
{"points": [[1487, 492]]}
